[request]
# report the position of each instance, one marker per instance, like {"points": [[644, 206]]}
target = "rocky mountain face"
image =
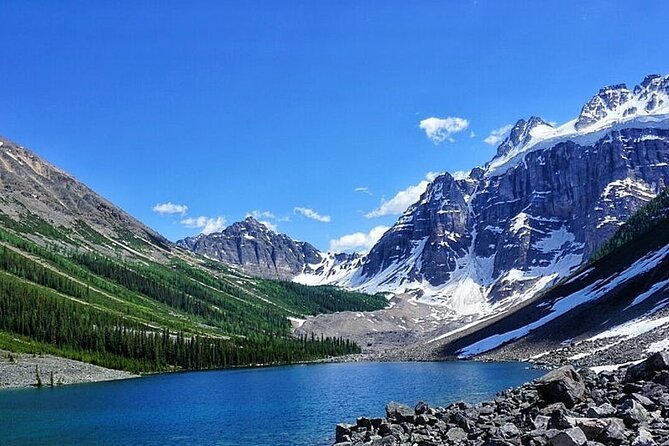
{"points": [[255, 249], [541, 207], [36, 193], [612, 310]]}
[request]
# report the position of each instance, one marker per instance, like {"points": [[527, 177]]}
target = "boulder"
{"points": [[591, 427], [496, 441], [509, 430], [569, 437], [364, 423], [541, 422], [633, 413], [614, 432], [643, 438], [456, 435], [647, 369], [601, 411], [422, 408], [398, 412], [562, 385], [559, 420], [343, 432], [644, 401]]}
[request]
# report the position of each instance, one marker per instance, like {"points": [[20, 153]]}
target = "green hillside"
{"points": [[134, 304]]}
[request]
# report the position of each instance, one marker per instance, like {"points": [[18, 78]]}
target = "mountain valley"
{"points": [[477, 246], [82, 279]]}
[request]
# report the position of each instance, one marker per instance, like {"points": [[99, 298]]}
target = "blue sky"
{"points": [[307, 112]]}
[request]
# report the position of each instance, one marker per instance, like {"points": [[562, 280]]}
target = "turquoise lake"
{"points": [[292, 405]]}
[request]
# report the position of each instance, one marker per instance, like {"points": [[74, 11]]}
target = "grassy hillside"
{"points": [[131, 304]]}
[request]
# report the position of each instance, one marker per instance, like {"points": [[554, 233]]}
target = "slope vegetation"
{"points": [[80, 278]]}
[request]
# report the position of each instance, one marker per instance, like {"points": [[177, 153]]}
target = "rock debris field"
{"points": [[20, 370], [566, 407]]}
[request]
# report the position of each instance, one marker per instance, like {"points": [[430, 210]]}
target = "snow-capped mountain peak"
{"points": [[617, 102], [522, 133], [542, 206]]}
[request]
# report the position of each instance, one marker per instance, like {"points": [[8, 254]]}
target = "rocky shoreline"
{"points": [[21, 370], [566, 407]]}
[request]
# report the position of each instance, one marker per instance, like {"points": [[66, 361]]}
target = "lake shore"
{"points": [[566, 407], [18, 370]]}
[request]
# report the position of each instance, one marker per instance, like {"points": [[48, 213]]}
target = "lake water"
{"points": [[292, 405]]}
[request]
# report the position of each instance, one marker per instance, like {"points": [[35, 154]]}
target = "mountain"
{"points": [[614, 309], [545, 203], [82, 279], [37, 193], [255, 249]]}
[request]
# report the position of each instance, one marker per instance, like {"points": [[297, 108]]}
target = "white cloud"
{"points": [[260, 214], [403, 199], [439, 130], [310, 213], [206, 224], [358, 241], [472, 134], [497, 135], [170, 208], [364, 190]]}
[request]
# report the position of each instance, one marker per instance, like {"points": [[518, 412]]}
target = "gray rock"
{"points": [[509, 430], [398, 412], [644, 401], [632, 413], [601, 411], [559, 420], [541, 422], [647, 369], [343, 430], [456, 435], [569, 437], [562, 385], [592, 427], [643, 438], [364, 422], [614, 432], [496, 441], [422, 408]]}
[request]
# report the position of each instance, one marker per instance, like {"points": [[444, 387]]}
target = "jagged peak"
{"points": [[520, 134], [251, 221], [618, 102]]}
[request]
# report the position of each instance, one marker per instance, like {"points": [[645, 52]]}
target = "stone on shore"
{"points": [[563, 408]]}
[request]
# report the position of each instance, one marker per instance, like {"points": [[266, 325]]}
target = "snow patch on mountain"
{"points": [[590, 293]]}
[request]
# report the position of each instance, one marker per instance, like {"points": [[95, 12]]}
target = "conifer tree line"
{"points": [[113, 341], [61, 299]]}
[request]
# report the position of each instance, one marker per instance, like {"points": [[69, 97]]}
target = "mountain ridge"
{"points": [[541, 207], [255, 249], [611, 310], [82, 279]]}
